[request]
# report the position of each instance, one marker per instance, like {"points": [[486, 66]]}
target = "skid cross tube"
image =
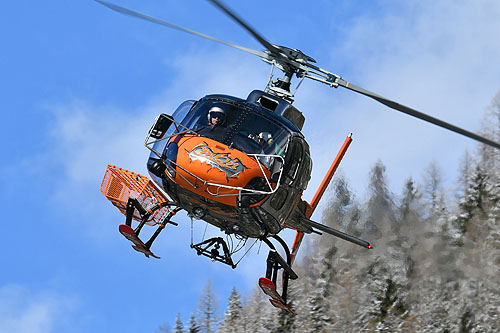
{"points": [[162, 225], [133, 204]]}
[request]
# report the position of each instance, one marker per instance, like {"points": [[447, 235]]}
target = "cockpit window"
{"points": [[179, 114], [241, 128]]}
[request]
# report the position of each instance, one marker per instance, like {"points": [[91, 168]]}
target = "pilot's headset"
{"points": [[216, 112]]}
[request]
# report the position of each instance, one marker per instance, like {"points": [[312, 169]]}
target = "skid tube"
{"points": [[274, 263], [133, 234]]}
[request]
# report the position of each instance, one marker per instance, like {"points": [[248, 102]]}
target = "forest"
{"points": [[434, 267]]}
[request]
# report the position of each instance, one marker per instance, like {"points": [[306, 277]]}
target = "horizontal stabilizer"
{"points": [[337, 233]]}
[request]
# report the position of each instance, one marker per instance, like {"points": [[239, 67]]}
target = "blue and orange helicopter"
{"points": [[241, 165]]}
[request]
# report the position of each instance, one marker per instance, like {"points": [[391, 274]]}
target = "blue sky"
{"points": [[82, 84]]}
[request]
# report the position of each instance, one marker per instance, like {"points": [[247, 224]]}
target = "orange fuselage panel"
{"points": [[202, 161]]}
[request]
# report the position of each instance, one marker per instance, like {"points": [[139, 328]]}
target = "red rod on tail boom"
{"points": [[311, 207]]}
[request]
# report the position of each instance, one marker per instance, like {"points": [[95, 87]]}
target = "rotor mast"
{"points": [[281, 86]]}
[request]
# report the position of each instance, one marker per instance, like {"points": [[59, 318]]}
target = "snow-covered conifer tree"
{"points": [[255, 311], [179, 326], [233, 318], [207, 310], [193, 325]]}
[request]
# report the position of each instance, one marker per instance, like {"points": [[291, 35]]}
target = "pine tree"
{"points": [[339, 203], [473, 200], [321, 292], [380, 211], [233, 318], [478, 189], [433, 179], [207, 310], [494, 197], [411, 223], [255, 311], [301, 302], [179, 326], [410, 206], [193, 325], [465, 170]]}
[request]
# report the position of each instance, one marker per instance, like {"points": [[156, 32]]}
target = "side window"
{"points": [[294, 160], [305, 172], [180, 113], [183, 109]]}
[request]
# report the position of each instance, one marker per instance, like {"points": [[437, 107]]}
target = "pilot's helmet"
{"points": [[216, 112], [265, 137]]}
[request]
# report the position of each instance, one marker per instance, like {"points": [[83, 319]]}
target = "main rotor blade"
{"points": [[133, 13], [254, 33], [416, 114]]}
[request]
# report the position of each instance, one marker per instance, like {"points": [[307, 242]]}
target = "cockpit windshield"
{"points": [[238, 127]]}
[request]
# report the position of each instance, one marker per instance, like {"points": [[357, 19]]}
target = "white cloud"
{"points": [[24, 311]]}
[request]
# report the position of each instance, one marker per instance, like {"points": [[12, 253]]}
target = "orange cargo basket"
{"points": [[119, 184]]}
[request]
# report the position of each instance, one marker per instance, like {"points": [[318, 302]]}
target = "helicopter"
{"points": [[241, 165]]}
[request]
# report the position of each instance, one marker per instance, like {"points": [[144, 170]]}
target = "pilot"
{"points": [[216, 123], [216, 116]]}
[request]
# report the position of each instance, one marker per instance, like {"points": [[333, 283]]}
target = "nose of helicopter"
{"points": [[215, 171]]}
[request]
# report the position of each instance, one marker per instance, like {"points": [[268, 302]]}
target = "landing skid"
{"points": [[274, 263], [282, 306], [133, 235], [139, 246], [269, 289]]}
